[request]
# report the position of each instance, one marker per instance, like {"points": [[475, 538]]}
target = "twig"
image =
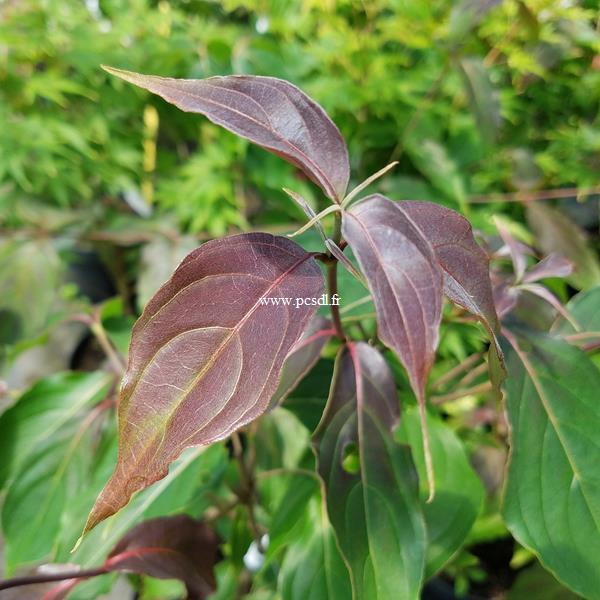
{"points": [[537, 195], [247, 491], [284, 471], [460, 368], [477, 389], [332, 282], [47, 578], [472, 375], [115, 360]]}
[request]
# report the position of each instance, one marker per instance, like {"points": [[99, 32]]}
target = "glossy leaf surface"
{"points": [[206, 354], [459, 493], [313, 568], [42, 411], [584, 309], [51, 453], [465, 264], [404, 278], [466, 270], [270, 112], [370, 481], [552, 494]]}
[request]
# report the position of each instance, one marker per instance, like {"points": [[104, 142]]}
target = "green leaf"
{"points": [[373, 505], [483, 97], [313, 568], [290, 518], [30, 270], [59, 469], [584, 309], [435, 162], [534, 583], [41, 412], [557, 233], [552, 494], [459, 493], [197, 469]]}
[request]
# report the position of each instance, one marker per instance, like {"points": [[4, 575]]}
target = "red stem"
{"points": [[33, 579]]}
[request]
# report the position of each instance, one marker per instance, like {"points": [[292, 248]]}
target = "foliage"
{"points": [[478, 107]]}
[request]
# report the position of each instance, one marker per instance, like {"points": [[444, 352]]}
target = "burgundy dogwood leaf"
{"points": [[206, 355], [404, 278], [269, 112], [177, 547], [406, 283], [466, 270], [552, 265], [464, 262]]}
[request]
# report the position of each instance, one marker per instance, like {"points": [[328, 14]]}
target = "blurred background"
{"points": [[491, 108]]}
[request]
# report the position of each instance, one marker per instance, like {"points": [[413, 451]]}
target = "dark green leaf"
{"points": [[459, 493], [552, 494], [374, 510]]}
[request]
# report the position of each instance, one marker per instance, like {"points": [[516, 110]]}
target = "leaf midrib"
{"points": [[232, 331]]}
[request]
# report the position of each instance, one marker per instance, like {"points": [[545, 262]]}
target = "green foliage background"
{"points": [[472, 98]]}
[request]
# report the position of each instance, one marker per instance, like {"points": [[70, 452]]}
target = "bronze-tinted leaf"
{"points": [[552, 265], [370, 482], [465, 263], [269, 112], [206, 354], [303, 357], [466, 270], [406, 283], [404, 278], [176, 547]]}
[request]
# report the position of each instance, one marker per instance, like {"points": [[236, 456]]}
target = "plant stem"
{"points": [[115, 360], [335, 310], [459, 369], [476, 389], [33, 579], [247, 491], [332, 283], [284, 471]]}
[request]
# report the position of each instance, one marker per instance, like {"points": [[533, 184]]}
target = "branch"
{"points": [[47, 578], [538, 195]]}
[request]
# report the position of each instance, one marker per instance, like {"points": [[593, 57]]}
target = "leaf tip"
{"points": [[77, 543], [123, 74], [427, 449]]}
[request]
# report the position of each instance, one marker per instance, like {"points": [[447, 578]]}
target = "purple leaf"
{"points": [[303, 357], [552, 265], [465, 264], [371, 488], [206, 355], [517, 254], [466, 270], [269, 112], [404, 278], [176, 547]]}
